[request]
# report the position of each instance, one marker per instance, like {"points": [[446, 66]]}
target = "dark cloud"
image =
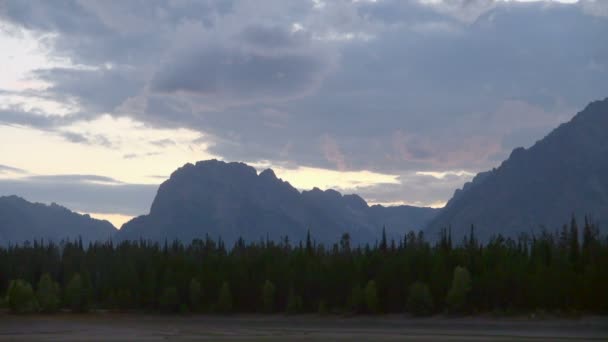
{"points": [[389, 86], [95, 139], [52, 123], [257, 63], [20, 117], [271, 37], [237, 77], [450, 94], [83, 193], [91, 88]]}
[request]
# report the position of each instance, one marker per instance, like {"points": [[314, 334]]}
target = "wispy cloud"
{"points": [[10, 169]]}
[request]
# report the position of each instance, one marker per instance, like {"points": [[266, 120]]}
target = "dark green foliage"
{"points": [[357, 299], [268, 294], [76, 294], [169, 300], [123, 300], [541, 271], [48, 294], [294, 303], [224, 302], [458, 295], [323, 308], [419, 299], [195, 295], [371, 297], [20, 297], [574, 245]]}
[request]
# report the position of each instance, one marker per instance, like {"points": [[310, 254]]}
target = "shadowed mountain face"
{"points": [[22, 221], [563, 174], [230, 200]]}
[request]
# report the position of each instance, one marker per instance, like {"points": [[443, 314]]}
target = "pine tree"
{"points": [[195, 294], [294, 303], [224, 303], [268, 293], [419, 300], [383, 242], [308, 243], [574, 245]]}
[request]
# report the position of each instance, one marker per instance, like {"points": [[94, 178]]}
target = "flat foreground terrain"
{"points": [[140, 327]]}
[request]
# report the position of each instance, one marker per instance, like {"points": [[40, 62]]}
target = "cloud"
{"points": [[332, 152], [100, 90], [306, 178], [163, 142], [464, 10], [140, 155], [595, 7], [71, 179], [18, 116], [416, 188], [257, 63], [444, 174], [83, 193], [392, 87], [10, 169], [78, 138]]}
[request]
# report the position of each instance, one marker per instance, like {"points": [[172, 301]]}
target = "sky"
{"points": [[399, 101]]}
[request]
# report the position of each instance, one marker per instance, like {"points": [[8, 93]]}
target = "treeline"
{"points": [[564, 271]]}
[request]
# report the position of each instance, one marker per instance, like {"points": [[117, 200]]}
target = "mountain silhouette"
{"points": [[22, 221], [564, 174], [231, 200]]}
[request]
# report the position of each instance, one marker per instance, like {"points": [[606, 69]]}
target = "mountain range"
{"points": [[564, 174], [22, 221], [232, 200]]}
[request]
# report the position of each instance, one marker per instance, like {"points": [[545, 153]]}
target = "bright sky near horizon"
{"points": [[398, 101]]}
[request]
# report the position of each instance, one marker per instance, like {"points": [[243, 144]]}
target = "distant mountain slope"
{"points": [[21, 220], [564, 173], [232, 200]]}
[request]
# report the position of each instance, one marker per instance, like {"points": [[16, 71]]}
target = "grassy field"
{"points": [[140, 327]]}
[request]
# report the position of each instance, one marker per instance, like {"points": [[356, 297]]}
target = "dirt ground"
{"points": [[140, 327]]}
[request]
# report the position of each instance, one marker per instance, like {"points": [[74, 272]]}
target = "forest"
{"points": [[561, 271]]}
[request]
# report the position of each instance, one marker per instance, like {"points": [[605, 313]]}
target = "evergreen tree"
{"points": [[419, 300], [357, 299], [383, 242], [574, 245], [224, 303], [345, 243], [322, 310], [195, 294], [268, 293], [308, 242], [461, 286], [48, 294], [76, 294], [169, 300], [371, 297], [294, 303], [544, 270]]}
